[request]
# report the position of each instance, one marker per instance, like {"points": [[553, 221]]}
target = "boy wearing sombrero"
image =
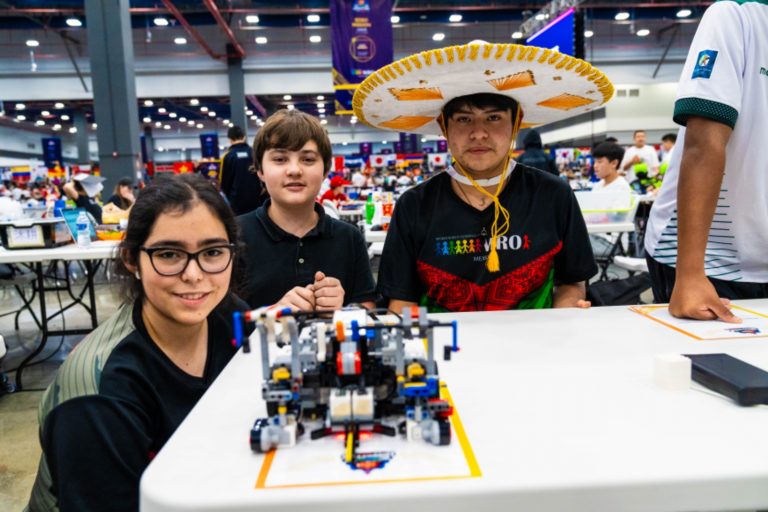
{"points": [[488, 234]]}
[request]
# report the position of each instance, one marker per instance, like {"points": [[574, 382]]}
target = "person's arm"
{"points": [[70, 190], [701, 175], [396, 306], [628, 161], [572, 295]]}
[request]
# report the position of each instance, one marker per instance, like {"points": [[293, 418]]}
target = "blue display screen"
{"points": [[556, 35]]}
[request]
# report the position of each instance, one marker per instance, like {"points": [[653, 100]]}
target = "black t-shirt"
{"points": [[90, 205], [437, 246], [239, 183], [98, 445], [274, 261]]}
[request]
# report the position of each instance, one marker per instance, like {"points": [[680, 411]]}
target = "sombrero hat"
{"points": [[409, 94]]}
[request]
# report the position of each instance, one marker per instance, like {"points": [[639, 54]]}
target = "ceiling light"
{"points": [[211, 114], [33, 43], [517, 35], [254, 118], [588, 34], [323, 121], [172, 115], [423, 140], [290, 106], [683, 13], [320, 97], [321, 110], [161, 110], [395, 19], [65, 117], [321, 105], [94, 126], [621, 16], [191, 123], [261, 40], [147, 119], [58, 105], [313, 18], [541, 17], [166, 127], [439, 36], [148, 103], [252, 18], [182, 119], [21, 117], [194, 102], [57, 127], [73, 130], [158, 124], [160, 150], [643, 32], [455, 18], [353, 120], [248, 112], [45, 113], [315, 39], [383, 142], [203, 109], [180, 40], [322, 116], [344, 143], [160, 21], [199, 125], [20, 106], [287, 97], [74, 22], [39, 122]]}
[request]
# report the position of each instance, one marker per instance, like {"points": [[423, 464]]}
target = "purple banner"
{"points": [[398, 146], [209, 145], [442, 146], [409, 142], [361, 44], [366, 148]]}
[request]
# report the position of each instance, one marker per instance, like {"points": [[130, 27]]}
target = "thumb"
{"points": [[319, 276]]}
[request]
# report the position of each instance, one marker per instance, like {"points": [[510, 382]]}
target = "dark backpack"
{"points": [[619, 292]]}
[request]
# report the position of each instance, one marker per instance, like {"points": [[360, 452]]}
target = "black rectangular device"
{"points": [[740, 381]]}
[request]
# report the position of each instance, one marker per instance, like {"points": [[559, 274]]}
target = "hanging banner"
{"points": [[361, 44], [409, 142], [382, 160], [442, 145], [366, 148], [52, 151], [209, 145]]}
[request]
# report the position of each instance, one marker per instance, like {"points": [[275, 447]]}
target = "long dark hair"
{"points": [[124, 203], [165, 194]]}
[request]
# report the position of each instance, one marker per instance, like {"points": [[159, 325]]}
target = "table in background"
{"points": [[99, 250], [558, 405]]}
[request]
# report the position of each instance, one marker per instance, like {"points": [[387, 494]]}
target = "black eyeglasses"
{"points": [[168, 261]]}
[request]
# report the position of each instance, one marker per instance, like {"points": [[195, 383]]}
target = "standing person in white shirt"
{"points": [[639, 154], [607, 157], [708, 232]]}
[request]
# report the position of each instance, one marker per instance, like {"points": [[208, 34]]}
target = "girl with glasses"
{"points": [[126, 387]]}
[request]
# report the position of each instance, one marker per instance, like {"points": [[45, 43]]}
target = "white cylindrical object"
{"points": [[672, 372]]}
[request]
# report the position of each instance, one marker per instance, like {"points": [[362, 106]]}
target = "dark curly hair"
{"points": [[166, 194]]}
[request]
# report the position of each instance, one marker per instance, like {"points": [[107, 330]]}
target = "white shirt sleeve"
{"points": [[714, 69]]}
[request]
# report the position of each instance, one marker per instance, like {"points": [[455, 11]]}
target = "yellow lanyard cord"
{"points": [[497, 230]]}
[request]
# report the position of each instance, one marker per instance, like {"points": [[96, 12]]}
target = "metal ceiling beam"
{"points": [[191, 31], [239, 52], [257, 105]]}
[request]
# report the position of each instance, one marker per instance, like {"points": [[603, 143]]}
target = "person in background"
{"points": [[607, 157], [639, 158], [118, 398], [122, 195], [707, 236], [239, 183], [336, 191], [83, 190], [668, 142], [534, 156], [296, 255]]}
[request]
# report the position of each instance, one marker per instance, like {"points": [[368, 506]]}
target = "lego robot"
{"points": [[347, 376]]}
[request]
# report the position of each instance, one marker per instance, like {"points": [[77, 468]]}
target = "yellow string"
{"points": [[497, 230]]}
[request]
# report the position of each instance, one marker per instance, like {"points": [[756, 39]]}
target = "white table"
{"points": [[561, 411], [99, 250]]}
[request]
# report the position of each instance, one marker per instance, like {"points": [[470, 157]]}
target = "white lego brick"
{"points": [[672, 372], [362, 405]]}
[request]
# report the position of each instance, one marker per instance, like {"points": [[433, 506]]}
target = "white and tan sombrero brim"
{"points": [[408, 95]]}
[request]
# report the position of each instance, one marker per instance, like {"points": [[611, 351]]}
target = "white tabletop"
{"points": [[99, 250], [560, 409]]}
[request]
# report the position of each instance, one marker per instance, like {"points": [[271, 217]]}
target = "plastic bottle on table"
{"points": [[83, 230], [370, 209]]}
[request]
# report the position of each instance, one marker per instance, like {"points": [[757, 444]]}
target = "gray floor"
{"points": [[19, 446]]}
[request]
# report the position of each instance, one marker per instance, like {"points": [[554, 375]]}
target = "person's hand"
{"points": [[329, 294], [636, 159], [696, 298], [299, 298], [583, 304]]}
